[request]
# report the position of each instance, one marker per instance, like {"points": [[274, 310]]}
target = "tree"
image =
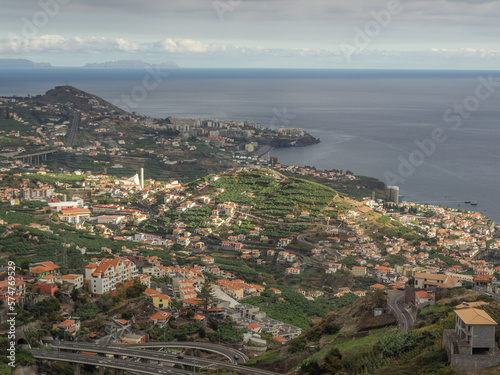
{"points": [[296, 345], [74, 294], [206, 294], [310, 368], [331, 328], [332, 361], [378, 298], [135, 290]]}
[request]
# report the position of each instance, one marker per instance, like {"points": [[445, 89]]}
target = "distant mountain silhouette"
{"points": [[130, 64], [22, 63]]}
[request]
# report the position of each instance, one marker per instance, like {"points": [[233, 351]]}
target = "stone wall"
{"points": [[474, 362]]}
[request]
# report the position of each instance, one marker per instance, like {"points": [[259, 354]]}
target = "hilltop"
{"points": [[76, 99]]}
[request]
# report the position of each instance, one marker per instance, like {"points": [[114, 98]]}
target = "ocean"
{"points": [[435, 134]]}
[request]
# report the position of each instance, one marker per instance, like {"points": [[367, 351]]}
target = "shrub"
{"points": [[296, 345], [331, 328], [397, 343]]}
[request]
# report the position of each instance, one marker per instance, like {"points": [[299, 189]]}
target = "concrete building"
{"points": [[392, 194], [471, 345], [477, 328]]}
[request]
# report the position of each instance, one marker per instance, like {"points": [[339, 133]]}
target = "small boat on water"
{"points": [[473, 203], [467, 202]]}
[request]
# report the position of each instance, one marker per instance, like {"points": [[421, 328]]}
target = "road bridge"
{"points": [[36, 157], [227, 352], [125, 350], [119, 365]]}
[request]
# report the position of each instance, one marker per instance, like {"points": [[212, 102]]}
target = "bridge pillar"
{"points": [[118, 371], [76, 367], [101, 370]]}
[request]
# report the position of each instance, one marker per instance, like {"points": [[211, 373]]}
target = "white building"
{"points": [[104, 275]]}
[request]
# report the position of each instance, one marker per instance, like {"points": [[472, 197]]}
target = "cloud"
{"points": [[58, 43], [54, 45]]}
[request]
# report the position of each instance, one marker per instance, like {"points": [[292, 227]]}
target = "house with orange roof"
{"points": [[423, 297], [6, 289], [198, 318], [279, 339], [42, 269], [160, 318], [150, 292], [232, 289], [194, 303], [70, 326], [49, 279], [254, 327]]}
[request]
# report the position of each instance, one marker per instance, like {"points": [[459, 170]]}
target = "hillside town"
{"points": [[254, 255]]}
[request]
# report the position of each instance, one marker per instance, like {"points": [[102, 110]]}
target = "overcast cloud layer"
{"points": [[435, 34]]}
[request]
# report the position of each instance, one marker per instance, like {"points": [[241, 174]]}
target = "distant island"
{"points": [[131, 64], [22, 63], [120, 64]]}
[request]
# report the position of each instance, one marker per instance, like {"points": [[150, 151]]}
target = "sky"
{"points": [[326, 34]]}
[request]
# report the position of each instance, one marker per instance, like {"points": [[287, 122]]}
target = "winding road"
{"points": [[403, 316]]}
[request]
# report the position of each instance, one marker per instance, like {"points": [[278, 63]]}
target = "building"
{"points": [[111, 219], [75, 280], [471, 345], [232, 289], [6, 289], [358, 271], [161, 301], [477, 328], [292, 271], [423, 297], [425, 280], [42, 269], [74, 215], [392, 194], [70, 326], [103, 276], [160, 319]]}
